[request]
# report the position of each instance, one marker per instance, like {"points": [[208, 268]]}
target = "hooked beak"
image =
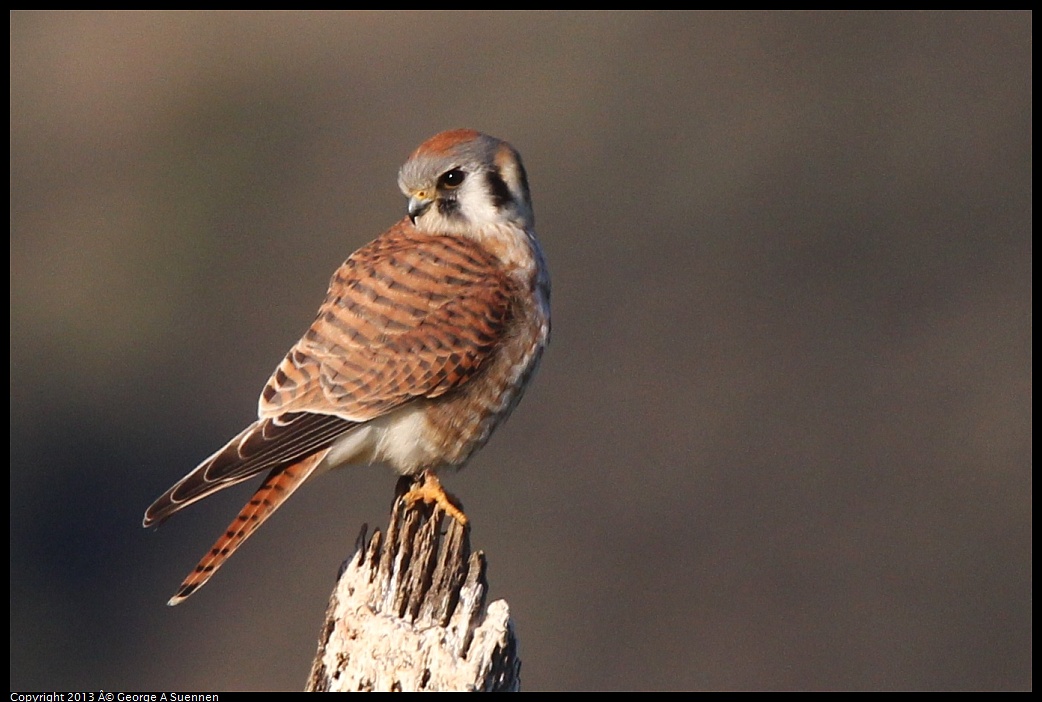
{"points": [[418, 205]]}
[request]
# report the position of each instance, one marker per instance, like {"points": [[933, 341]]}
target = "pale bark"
{"points": [[408, 614]]}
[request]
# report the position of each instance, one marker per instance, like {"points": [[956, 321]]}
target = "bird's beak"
{"points": [[418, 204]]}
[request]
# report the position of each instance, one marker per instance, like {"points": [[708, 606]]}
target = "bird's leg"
{"points": [[431, 492]]}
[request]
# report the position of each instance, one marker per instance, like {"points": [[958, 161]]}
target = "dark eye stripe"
{"points": [[501, 195], [448, 207]]}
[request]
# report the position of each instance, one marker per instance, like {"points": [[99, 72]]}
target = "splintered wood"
{"points": [[408, 613]]}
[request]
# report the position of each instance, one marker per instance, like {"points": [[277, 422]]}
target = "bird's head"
{"points": [[463, 181]]}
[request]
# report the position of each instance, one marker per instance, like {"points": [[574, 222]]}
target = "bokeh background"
{"points": [[781, 439]]}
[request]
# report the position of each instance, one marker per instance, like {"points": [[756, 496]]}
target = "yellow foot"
{"points": [[431, 491]]}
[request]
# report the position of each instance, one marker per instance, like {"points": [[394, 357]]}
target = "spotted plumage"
{"points": [[425, 342]]}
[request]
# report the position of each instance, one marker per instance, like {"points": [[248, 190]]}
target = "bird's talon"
{"points": [[431, 492]]}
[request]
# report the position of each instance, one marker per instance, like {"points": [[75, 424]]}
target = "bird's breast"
{"points": [[462, 420]]}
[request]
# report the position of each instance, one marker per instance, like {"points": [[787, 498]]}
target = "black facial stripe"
{"points": [[448, 207], [501, 195]]}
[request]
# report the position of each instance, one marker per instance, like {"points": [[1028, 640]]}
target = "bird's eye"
{"points": [[452, 179]]}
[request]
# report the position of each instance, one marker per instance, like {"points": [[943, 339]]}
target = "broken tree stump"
{"points": [[408, 613]]}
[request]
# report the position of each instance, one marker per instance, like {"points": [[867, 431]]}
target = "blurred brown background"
{"points": [[781, 439]]}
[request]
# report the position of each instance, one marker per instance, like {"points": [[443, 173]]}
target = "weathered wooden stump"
{"points": [[408, 613]]}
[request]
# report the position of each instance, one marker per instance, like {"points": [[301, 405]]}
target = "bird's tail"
{"points": [[279, 485]]}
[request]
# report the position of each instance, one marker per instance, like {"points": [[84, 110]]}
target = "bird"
{"points": [[425, 342]]}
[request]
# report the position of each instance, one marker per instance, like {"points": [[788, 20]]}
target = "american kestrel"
{"points": [[425, 342]]}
